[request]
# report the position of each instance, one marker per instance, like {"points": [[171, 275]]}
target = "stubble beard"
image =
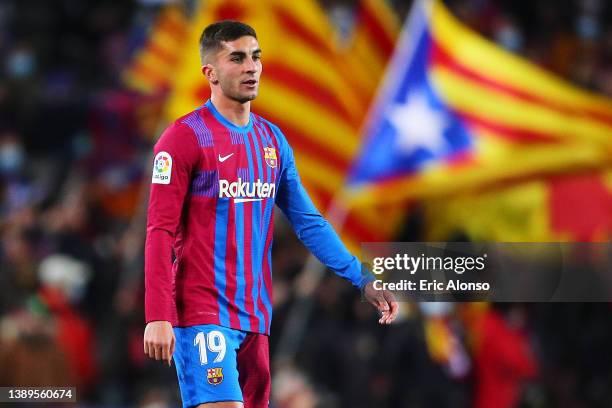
{"points": [[235, 95]]}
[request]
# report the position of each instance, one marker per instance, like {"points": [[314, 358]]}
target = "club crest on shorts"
{"points": [[270, 156], [214, 375]]}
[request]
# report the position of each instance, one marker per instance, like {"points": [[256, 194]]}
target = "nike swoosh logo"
{"points": [[246, 200], [224, 158]]}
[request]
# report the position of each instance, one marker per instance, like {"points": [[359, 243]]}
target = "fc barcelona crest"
{"points": [[214, 375], [270, 156]]}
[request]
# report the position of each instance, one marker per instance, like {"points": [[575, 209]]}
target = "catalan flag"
{"points": [[560, 207], [152, 65], [307, 88], [371, 46], [457, 112]]}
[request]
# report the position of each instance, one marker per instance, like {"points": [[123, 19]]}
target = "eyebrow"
{"points": [[242, 53]]}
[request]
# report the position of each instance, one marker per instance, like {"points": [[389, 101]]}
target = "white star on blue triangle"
{"points": [[413, 127]]}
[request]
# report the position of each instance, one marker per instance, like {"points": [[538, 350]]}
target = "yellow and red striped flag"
{"points": [[458, 112], [371, 46], [563, 207], [152, 66]]}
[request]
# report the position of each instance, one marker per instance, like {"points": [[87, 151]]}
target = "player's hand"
{"points": [[159, 341], [383, 300]]}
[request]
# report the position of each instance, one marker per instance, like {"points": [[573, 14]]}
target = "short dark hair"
{"points": [[226, 30]]}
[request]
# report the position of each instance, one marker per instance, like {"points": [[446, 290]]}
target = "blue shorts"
{"points": [[216, 363]]}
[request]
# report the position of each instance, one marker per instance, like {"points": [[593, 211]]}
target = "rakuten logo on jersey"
{"points": [[242, 191]]}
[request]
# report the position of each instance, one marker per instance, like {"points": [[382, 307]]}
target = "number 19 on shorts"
{"points": [[214, 341]]}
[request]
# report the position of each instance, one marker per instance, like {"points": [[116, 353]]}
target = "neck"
{"points": [[234, 111]]}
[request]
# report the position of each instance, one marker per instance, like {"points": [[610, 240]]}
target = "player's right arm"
{"points": [[176, 156]]}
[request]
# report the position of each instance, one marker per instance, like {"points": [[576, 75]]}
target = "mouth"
{"points": [[249, 82]]}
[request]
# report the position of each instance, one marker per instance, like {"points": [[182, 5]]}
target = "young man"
{"points": [[217, 173]]}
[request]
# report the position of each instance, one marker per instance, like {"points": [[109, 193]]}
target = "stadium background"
{"points": [[86, 87]]}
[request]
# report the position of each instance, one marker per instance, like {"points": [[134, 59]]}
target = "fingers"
{"points": [[384, 319], [392, 304], [391, 314], [384, 301], [165, 349], [383, 308], [160, 352], [169, 351], [172, 347], [149, 349], [388, 309], [159, 341], [382, 305], [167, 357]]}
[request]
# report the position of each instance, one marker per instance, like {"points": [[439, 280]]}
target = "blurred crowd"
{"points": [[74, 151]]}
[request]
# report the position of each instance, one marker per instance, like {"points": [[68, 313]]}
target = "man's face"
{"points": [[238, 67]]}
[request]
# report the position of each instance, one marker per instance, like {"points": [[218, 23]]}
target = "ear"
{"points": [[209, 72]]}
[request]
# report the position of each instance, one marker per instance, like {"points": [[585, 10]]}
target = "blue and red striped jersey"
{"points": [[211, 209]]}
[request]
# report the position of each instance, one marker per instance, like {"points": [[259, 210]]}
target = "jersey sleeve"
{"points": [[176, 157], [310, 226]]}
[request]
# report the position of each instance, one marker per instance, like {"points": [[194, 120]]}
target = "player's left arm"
{"points": [[321, 239]]}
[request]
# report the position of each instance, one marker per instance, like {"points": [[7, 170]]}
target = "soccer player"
{"points": [[217, 174]]}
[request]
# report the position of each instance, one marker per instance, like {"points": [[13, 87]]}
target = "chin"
{"points": [[245, 98]]}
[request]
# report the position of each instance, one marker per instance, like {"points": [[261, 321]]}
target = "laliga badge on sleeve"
{"points": [[162, 168]]}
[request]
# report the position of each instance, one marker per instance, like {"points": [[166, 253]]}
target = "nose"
{"points": [[251, 65]]}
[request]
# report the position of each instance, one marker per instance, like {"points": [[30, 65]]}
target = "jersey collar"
{"points": [[247, 128]]}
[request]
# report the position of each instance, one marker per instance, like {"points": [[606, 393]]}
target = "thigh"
{"points": [[254, 369], [206, 364]]}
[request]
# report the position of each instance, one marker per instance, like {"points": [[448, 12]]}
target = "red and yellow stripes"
{"points": [[471, 50], [488, 86], [371, 46], [151, 69], [565, 207]]}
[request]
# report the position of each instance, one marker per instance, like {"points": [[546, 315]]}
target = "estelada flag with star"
{"points": [[457, 112]]}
